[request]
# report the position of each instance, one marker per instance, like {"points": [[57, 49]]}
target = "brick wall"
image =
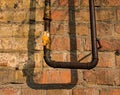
{"points": [[22, 67]]}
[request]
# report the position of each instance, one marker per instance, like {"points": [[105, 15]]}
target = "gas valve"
{"points": [[45, 39]]}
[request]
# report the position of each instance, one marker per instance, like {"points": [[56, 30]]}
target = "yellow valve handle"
{"points": [[45, 39]]}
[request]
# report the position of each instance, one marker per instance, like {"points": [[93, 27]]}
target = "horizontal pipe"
{"points": [[73, 65]]}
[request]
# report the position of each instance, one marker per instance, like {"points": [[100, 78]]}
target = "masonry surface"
{"points": [[23, 70]]}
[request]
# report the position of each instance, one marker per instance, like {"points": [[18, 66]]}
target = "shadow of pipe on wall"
{"points": [[29, 68]]}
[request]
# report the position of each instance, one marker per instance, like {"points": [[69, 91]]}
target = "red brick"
{"points": [[108, 44], [71, 2], [110, 91], [52, 76], [59, 28], [63, 29], [102, 77], [85, 91], [106, 59], [82, 29], [59, 15], [63, 43]]}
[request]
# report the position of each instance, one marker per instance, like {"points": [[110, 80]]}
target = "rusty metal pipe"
{"points": [[71, 65]]}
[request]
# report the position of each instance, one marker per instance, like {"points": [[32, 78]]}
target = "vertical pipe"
{"points": [[93, 29]]}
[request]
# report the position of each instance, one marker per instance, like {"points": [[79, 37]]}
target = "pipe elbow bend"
{"points": [[93, 63]]}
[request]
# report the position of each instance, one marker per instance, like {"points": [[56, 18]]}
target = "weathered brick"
{"points": [[23, 57], [39, 44], [70, 3], [117, 29], [39, 15], [7, 76], [105, 15], [82, 57], [6, 30], [110, 44], [87, 43], [82, 15], [59, 28], [118, 14], [58, 92], [6, 43], [106, 59], [58, 56], [118, 61], [59, 15], [104, 29], [9, 59], [102, 77], [64, 43], [110, 2], [82, 29], [7, 4], [10, 91], [6, 16], [85, 91], [21, 43], [110, 91], [14, 4], [39, 3], [38, 58], [25, 30], [14, 16], [19, 77], [20, 30], [21, 16], [85, 3], [21, 46], [30, 91], [51, 76]]}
